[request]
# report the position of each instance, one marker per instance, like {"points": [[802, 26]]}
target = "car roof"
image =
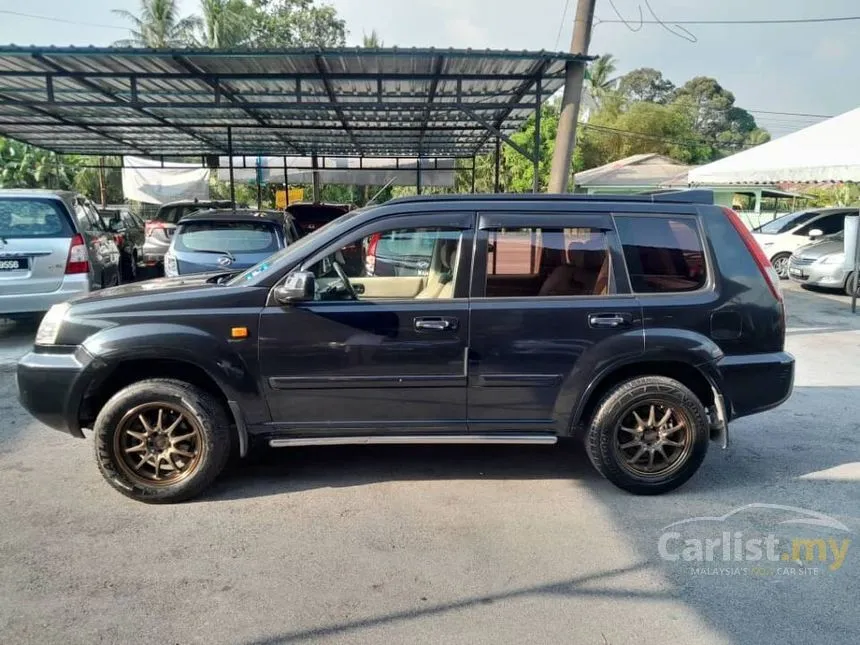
{"points": [[233, 216], [194, 202], [37, 192]]}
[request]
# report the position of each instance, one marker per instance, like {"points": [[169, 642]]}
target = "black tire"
{"points": [[203, 415], [603, 445], [850, 285], [128, 268], [780, 264]]}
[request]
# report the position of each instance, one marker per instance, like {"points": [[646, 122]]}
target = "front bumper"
{"points": [[51, 386], [831, 276], [39, 303], [753, 383]]}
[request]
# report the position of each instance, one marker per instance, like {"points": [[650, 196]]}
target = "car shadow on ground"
{"points": [[752, 459]]}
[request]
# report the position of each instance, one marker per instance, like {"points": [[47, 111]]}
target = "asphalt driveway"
{"points": [[445, 544]]}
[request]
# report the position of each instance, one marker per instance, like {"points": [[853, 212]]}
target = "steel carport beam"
{"points": [[234, 98], [494, 130], [322, 68], [95, 87]]}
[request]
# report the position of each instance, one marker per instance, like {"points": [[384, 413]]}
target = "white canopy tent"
{"points": [[825, 152]]}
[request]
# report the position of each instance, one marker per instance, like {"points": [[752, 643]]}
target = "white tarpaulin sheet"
{"points": [[147, 181], [343, 171], [826, 152]]}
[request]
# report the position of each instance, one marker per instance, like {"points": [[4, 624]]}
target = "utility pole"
{"points": [[565, 140]]}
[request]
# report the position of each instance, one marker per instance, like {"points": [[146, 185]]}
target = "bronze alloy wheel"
{"points": [[158, 444], [653, 440]]}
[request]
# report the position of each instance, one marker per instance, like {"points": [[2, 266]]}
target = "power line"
{"points": [[561, 23], [61, 20], [765, 21], [690, 143]]}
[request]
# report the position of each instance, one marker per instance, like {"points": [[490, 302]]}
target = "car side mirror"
{"points": [[815, 233], [297, 287]]}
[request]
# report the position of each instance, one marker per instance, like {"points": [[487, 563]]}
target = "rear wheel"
{"points": [[649, 435], [780, 264], [161, 440]]}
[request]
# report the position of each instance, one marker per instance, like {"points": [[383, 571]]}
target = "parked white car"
{"points": [[784, 235]]}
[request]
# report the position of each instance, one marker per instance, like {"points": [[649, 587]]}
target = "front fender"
{"points": [[219, 357]]}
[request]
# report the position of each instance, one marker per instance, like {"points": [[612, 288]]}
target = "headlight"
{"points": [[833, 258], [50, 327], [170, 268]]}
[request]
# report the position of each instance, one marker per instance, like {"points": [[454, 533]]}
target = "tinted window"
{"points": [[828, 225], [663, 254], [236, 237], [32, 218], [530, 262], [786, 222]]}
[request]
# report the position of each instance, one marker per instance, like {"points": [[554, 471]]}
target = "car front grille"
{"points": [[800, 262]]}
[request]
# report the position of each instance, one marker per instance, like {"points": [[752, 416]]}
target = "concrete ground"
{"points": [[444, 545]]}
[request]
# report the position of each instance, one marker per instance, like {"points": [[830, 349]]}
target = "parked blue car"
{"points": [[220, 240]]}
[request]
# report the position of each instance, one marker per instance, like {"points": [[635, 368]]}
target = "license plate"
{"points": [[15, 264], [796, 272]]}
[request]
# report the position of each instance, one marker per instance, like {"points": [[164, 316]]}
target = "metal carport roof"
{"points": [[333, 102]]}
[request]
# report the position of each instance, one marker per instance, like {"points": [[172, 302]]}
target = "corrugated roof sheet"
{"points": [[340, 102]]}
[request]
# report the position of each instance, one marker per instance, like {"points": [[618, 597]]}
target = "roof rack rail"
{"points": [[695, 196]]}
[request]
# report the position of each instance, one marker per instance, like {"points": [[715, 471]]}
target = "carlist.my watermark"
{"points": [[785, 541]]}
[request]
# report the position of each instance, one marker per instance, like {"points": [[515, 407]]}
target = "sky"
{"points": [[806, 68]]}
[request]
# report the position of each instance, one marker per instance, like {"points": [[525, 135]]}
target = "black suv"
{"points": [[641, 324]]}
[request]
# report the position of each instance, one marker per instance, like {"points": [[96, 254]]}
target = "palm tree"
{"points": [[225, 24], [372, 40], [158, 26], [599, 76]]}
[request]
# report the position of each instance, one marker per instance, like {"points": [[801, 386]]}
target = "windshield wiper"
{"points": [[227, 253]]}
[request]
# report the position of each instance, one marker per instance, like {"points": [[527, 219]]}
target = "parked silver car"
{"points": [[821, 264], [53, 245]]}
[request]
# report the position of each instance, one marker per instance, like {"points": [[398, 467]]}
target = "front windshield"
{"points": [[786, 222], [273, 259]]}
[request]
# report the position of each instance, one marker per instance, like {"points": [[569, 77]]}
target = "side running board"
{"points": [[532, 438]]}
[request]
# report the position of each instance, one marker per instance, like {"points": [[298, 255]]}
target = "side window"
{"points": [[663, 254], [545, 262], [83, 217], [416, 263], [828, 225]]}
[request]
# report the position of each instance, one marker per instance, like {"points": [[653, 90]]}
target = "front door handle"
{"points": [[612, 321], [436, 324]]}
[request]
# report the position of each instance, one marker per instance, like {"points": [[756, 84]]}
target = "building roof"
{"points": [[332, 102], [643, 170]]}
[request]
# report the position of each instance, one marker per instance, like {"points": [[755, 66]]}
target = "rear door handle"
{"points": [[611, 321], [436, 324]]}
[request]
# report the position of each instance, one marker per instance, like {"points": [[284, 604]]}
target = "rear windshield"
{"points": [[235, 237], [23, 218], [786, 222], [172, 214]]}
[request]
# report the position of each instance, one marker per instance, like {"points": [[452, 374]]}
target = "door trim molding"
{"points": [[535, 438], [359, 382]]}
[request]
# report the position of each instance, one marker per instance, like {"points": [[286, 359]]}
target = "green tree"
{"points": [[25, 166], [158, 25], [599, 77], [645, 84], [297, 23], [226, 23], [371, 40]]}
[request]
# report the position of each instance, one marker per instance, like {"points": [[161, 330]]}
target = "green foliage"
{"points": [[296, 23], [158, 25], [371, 40], [645, 84], [833, 195], [226, 23], [599, 77]]}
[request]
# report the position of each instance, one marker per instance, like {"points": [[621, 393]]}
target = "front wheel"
{"points": [[161, 440], [649, 435], [851, 285], [780, 264]]}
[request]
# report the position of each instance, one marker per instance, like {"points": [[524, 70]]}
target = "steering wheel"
{"points": [[345, 280]]}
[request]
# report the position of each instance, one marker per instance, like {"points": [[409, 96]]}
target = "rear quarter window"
{"points": [[33, 218], [663, 254]]}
